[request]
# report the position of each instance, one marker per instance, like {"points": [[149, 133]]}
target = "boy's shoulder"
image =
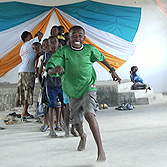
{"points": [[63, 48], [88, 46]]}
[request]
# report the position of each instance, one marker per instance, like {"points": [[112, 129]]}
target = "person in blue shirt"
{"points": [[137, 80], [135, 77]]}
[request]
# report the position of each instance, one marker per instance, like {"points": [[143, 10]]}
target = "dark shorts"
{"points": [[86, 104], [52, 94]]}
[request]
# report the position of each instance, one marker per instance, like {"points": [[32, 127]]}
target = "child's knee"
{"points": [[89, 115]]}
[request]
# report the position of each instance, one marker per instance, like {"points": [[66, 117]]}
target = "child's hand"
{"points": [[60, 70], [54, 71], [115, 76]]}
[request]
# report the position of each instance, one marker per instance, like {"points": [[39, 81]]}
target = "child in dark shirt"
{"points": [[53, 87]]}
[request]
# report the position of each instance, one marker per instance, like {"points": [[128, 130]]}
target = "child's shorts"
{"points": [[52, 93], [86, 104], [25, 89]]}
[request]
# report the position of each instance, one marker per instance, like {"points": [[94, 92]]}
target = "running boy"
{"points": [[79, 83]]}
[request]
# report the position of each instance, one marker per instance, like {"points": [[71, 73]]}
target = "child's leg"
{"points": [[77, 120], [73, 131], [25, 110], [58, 118], [46, 123], [66, 120], [63, 112], [52, 99], [90, 105], [82, 143], [51, 118], [96, 133], [46, 120], [46, 115]]}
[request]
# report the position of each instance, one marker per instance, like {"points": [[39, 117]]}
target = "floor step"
{"points": [[148, 99]]}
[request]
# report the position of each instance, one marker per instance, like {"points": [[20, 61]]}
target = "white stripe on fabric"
{"points": [[107, 41], [53, 21], [10, 38], [8, 77]]}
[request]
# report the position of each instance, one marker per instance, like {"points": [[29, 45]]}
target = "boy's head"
{"points": [[54, 31], [61, 30], [134, 69], [53, 44], [26, 36], [77, 36], [37, 48], [45, 45]]}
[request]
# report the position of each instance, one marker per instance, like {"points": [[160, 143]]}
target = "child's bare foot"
{"points": [[52, 134], [82, 143], [101, 156]]}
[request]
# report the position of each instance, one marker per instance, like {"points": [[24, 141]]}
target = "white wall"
{"points": [[151, 48], [151, 45]]}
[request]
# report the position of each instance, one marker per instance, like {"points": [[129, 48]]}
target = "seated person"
{"points": [[137, 80]]}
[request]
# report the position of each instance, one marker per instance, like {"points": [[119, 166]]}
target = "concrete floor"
{"points": [[134, 138]]}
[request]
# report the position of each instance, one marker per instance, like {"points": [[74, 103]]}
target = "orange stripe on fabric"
{"points": [[161, 7], [12, 59], [112, 60]]}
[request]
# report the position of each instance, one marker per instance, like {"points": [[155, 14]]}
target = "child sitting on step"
{"points": [[137, 80]]}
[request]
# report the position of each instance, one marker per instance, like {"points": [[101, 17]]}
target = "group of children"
{"points": [[64, 67], [51, 86]]}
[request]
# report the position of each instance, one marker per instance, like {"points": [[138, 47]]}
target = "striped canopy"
{"points": [[110, 28]]}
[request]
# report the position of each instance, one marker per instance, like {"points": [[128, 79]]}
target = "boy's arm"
{"points": [[54, 71], [40, 74], [55, 65], [112, 71], [36, 68]]}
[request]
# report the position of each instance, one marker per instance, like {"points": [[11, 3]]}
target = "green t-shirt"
{"points": [[80, 75]]}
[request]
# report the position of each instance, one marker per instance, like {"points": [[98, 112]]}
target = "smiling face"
{"points": [[77, 37]]}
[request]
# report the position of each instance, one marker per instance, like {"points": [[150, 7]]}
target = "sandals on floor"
{"points": [[44, 129], [28, 117], [58, 128], [11, 121]]}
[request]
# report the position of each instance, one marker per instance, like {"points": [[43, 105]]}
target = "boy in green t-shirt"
{"points": [[75, 61]]}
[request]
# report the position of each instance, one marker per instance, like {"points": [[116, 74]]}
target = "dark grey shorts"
{"points": [[87, 103]]}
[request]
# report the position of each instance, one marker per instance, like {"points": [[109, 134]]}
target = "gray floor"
{"points": [[136, 138]]}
